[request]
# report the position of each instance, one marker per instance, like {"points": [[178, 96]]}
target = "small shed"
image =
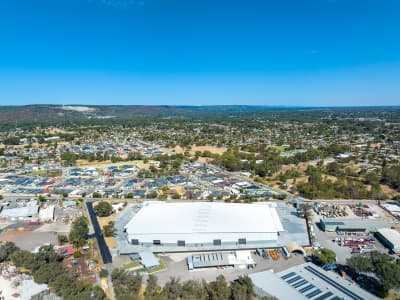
{"points": [[149, 260], [135, 256]]}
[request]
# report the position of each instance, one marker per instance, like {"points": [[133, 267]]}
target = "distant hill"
{"points": [[59, 113], [54, 112]]}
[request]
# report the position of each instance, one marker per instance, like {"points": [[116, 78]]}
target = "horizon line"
{"points": [[206, 105]]}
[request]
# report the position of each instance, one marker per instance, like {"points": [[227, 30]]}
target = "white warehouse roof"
{"points": [[202, 222], [391, 207], [30, 210], [47, 214], [392, 236]]}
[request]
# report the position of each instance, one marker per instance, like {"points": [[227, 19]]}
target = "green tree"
{"points": [[242, 289], [103, 209], [46, 272], [152, 291], [194, 290], [109, 229], [219, 289], [389, 275], [151, 195], [172, 289], [103, 273], [176, 196], [325, 256], [79, 232], [391, 175], [126, 286], [62, 239], [6, 250], [96, 195], [360, 264], [279, 196]]}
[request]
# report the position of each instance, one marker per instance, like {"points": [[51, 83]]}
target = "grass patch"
{"points": [[393, 295], [278, 148], [46, 173], [131, 264]]}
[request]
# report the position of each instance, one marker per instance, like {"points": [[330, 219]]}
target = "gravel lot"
{"points": [[29, 240], [55, 227], [325, 239]]}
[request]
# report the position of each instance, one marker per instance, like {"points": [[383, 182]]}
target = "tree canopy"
{"points": [[127, 286], [385, 267], [325, 256], [79, 232], [103, 209]]}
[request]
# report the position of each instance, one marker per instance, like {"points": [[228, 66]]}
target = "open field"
{"points": [[29, 240], [212, 149], [46, 173], [107, 163], [111, 242], [278, 148]]}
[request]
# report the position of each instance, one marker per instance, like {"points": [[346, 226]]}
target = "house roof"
{"points": [[66, 250]]}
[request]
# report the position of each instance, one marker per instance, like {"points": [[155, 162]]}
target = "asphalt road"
{"points": [[104, 251]]}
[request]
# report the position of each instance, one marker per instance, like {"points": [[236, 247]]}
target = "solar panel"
{"points": [[299, 284], [336, 298], [307, 288], [324, 296], [313, 294], [294, 279], [333, 283], [291, 274]]}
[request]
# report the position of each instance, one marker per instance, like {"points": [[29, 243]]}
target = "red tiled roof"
{"points": [[66, 250]]}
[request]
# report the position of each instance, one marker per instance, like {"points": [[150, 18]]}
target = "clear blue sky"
{"points": [[196, 52]]}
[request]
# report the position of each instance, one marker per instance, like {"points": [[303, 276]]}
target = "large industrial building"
{"points": [[204, 225]]}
